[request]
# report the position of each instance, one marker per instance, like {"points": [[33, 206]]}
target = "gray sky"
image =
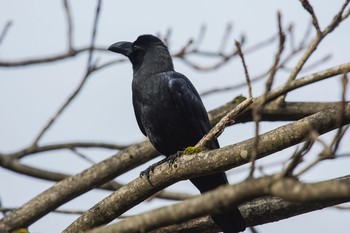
{"points": [[103, 110]]}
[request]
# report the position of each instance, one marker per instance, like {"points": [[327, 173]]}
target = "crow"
{"points": [[170, 112]]}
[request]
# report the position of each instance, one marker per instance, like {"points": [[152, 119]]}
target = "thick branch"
{"points": [[205, 163], [272, 208], [225, 197], [73, 186]]}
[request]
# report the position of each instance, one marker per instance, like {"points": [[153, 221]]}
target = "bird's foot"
{"points": [[146, 173], [171, 159]]}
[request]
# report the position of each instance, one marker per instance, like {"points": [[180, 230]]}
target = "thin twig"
{"points": [[278, 54], [307, 6], [297, 159], [62, 146], [59, 211], [82, 156], [307, 34], [51, 58], [5, 30], [184, 49], [166, 37], [340, 132], [225, 38], [69, 25], [197, 43], [228, 119], [256, 118], [246, 73], [290, 30], [326, 153], [338, 18], [257, 110], [94, 33]]}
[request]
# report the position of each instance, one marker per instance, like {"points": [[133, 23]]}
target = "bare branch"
{"points": [[225, 38], [69, 25], [61, 146], [188, 166], [74, 186], [59, 211], [51, 58], [307, 6], [16, 166], [340, 131], [5, 31], [297, 159], [228, 119], [240, 53], [312, 47], [224, 197], [272, 208], [278, 54], [93, 37], [306, 81]]}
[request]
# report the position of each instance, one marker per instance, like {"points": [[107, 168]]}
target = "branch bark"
{"points": [[74, 186], [205, 163], [223, 198]]}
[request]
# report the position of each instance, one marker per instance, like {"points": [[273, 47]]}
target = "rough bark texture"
{"points": [[189, 166]]}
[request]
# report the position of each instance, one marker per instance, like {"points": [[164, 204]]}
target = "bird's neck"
{"points": [[156, 61]]}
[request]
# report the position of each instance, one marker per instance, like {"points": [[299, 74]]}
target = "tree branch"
{"points": [[74, 186], [272, 208], [213, 161], [224, 197]]}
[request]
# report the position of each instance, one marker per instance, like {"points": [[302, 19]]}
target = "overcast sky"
{"points": [[29, 96]]}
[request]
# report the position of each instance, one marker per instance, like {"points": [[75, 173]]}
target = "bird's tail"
{"points": [[230, 221]]}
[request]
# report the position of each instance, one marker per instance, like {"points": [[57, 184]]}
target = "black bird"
{"points": [[170, 112]]}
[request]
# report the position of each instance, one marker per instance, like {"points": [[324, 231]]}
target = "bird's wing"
{"points": [[138, 115], [188, 101]]}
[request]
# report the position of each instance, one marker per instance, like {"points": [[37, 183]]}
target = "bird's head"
{"points": [[146, 50]]}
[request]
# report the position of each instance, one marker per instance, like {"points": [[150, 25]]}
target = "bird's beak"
{"points": [[122, 47]]}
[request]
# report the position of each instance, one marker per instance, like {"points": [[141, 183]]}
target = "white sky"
{"points": [[103, 110]]}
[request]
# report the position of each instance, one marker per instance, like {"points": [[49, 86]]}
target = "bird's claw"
{"points": [[171, 159], [146, 173]]}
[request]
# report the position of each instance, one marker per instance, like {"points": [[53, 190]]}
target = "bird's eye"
{"points": [[136, 48]]}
